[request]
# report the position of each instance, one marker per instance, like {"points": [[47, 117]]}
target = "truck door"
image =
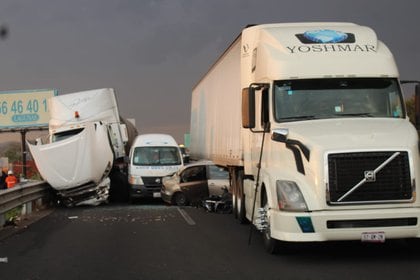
{"points": [[261, 124]]}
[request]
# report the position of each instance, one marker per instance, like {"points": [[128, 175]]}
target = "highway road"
{"points": [[155, 241]]}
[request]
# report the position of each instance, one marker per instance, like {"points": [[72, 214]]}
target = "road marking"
{"points": [[186, 217]]}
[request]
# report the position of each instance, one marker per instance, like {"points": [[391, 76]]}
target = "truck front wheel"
{"points": [[271, 245]]}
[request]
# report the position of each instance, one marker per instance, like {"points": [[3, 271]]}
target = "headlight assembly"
{"points": [[135, 180], [290, 197]]}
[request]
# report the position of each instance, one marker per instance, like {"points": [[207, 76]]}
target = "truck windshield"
{"points": [[59, 136], [337, 98], [156, 156]]}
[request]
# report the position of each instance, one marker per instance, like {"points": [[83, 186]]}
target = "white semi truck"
{"points": [[311, 121], [86, 145]]}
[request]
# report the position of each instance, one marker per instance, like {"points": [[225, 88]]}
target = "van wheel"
{"points": [[180, 199], [271, 245], [131, 199]]}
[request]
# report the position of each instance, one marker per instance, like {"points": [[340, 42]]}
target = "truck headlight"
{"points": [[289, 196], [135, 180]]}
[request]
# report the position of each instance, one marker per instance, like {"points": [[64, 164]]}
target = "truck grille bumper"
{"points": [[396, 222], [152, 184], [369, 177]]}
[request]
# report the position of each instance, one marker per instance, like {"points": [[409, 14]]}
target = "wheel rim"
{"points": [[234, 205], [239, 205], [180, 199], [270, 244], [266, 232]]}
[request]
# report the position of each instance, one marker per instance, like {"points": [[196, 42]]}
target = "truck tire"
{"points": [[240, 198], [233, 175], [271, 245], [119, 190], [234, 205], [413, 243]]}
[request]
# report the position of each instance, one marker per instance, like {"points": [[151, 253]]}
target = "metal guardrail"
{"points": [[23, 194]]}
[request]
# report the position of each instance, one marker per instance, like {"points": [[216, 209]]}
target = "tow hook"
{"points": [[261, 222]]}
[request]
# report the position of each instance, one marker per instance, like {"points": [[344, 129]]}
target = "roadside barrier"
{"points": [[27, 194]]}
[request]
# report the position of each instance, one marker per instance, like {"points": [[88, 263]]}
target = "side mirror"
{"points": [[417, 106], [248, 107], [280, 135]]}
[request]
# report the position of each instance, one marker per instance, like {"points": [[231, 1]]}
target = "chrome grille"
{"points": [[391, 183]]}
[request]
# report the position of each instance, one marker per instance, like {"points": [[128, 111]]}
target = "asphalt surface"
{"points": [[155, 241]]}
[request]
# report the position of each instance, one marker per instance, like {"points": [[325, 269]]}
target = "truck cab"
{"points": [[86, 139], [341, 156], [314, 130]]}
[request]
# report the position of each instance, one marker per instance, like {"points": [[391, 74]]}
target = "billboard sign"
{"points": [[25, 109]]}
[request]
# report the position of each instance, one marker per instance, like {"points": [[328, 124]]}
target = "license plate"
{"points": [[157, 194], [377, 237]]}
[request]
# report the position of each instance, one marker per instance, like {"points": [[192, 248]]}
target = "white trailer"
{"points": [[86, 140], [311, 121]]}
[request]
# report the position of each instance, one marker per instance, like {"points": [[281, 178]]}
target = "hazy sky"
{"points": [[153, 52]]}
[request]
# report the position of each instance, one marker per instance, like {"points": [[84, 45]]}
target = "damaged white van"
{"points": [[152, 157]]}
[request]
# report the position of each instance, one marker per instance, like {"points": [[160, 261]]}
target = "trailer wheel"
{"points": [[271, 245], [234, 205], [240, 198], [233, 175]]}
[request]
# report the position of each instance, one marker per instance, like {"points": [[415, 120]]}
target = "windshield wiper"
{"points": [[300, 118], [356, 115]]}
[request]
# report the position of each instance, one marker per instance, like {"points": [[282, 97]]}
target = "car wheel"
{"points": [[180, 199]]}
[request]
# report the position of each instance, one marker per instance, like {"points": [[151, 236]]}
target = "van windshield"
{"points": [[337, 98], [156, 156]]}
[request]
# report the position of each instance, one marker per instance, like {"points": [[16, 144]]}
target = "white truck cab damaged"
{"points": [[311, 121], [87, 138]]}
